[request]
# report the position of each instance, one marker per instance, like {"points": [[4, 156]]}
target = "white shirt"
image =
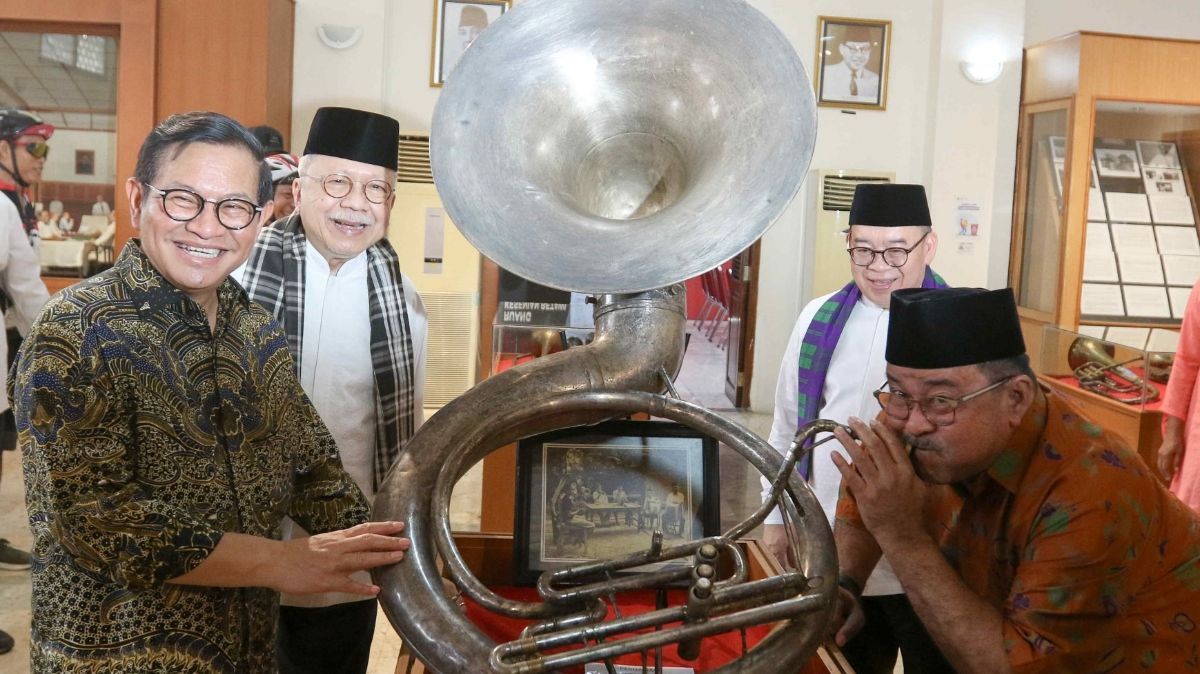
{"points": [[21, 277], [337, 374], [835, 84], [856, 370]]}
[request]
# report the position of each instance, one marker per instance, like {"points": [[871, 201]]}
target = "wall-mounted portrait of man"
{"points": [[456, 27], [852, 62]]}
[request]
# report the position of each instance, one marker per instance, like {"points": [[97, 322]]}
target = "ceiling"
{"points": [[70, 81]]}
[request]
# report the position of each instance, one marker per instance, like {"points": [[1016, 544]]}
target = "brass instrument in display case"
{"points": [[1098, 371]]}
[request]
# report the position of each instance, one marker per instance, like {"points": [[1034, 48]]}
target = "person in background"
{"points": [[284, 171], [1179, 454], [65, 224], [23, 151], [165, 436], [101, 206], [833, 360], [357, 329], [1027, 538]]}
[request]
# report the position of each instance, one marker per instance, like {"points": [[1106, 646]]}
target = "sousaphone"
{"points": [[613, 148]]}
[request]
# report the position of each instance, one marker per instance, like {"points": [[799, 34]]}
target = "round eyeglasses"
{"points": [[338, 186], [939, 410], [183, 205], [894, 257]]}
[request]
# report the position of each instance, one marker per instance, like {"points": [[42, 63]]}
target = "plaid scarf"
{"points": [[275, 279], [817, 350]]}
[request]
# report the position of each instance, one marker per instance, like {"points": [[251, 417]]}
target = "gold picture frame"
{"points": [[853, 58], [468, 20]]}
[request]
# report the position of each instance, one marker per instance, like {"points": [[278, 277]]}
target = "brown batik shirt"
{"points": [[146, 436]]}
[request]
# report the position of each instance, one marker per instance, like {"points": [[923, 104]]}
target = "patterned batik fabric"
{"points": [[816, 352], [274, 278], [145, 437], [1093, 564]]}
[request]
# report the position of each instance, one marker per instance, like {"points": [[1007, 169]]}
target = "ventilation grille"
{"points": [[450, 352], [414, 160], [837, 191]]}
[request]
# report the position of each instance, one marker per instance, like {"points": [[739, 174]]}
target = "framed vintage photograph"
{"points": [[852, 62], [1158, 154], [1117, 163], [85, 162], [456, 25], [600, 492]]}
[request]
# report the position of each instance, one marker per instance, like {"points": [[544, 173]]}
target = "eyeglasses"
{"points": [[939, 410], [185, 205], [337, 186], [894, 257], [39, 150]]}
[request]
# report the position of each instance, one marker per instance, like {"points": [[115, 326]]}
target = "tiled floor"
{"points": [[701, 381]]}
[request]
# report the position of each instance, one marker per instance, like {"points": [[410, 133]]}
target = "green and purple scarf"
{"points": [[817, 350]]}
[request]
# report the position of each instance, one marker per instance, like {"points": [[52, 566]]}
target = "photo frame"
{"points": [[85, 162], [654, 475], [1117, 163], [1158, 154], [456, 25], [853, 58]]}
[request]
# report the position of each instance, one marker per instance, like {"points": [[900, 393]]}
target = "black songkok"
{"points": [[889, 205], [367, 137], [950, 327]]}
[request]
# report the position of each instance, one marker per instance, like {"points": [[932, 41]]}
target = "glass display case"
{"points": [[1105, 221], [516, 344], [1117, 386]]}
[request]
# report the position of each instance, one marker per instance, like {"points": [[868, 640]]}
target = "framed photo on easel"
{"points": [[600, 492]]}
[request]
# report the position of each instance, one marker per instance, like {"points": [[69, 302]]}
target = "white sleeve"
{"points": [[418, 324], [783, 426], [22, 270]]}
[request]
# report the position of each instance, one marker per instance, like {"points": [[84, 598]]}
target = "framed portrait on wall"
{"points": [[600, 492], [456, 26], [85, 162], [852, 62]]}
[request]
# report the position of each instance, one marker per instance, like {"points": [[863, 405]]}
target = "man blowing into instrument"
{"points": [[356, 328], [165, 437], [834, 357], [1026, 537]]}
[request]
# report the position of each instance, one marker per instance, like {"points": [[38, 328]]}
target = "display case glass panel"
{"points": [[1042, 245], [1076, 361], [1141, 250]]}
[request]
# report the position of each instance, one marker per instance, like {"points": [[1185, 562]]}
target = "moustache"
{"points": [[353, 217], [914, 443]]}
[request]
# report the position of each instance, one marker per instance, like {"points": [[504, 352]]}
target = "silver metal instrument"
{"points": [[613, 148]]}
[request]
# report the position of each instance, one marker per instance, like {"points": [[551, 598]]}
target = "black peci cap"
{"points": [[890, 205], [367, 137], [950, 327]]}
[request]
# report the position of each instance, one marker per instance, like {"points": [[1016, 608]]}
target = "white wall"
{"points": [[957, 138], [60, 165], [1051, 18]]}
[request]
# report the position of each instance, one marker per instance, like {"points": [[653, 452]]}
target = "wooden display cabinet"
{"points": [[1092, 107]]}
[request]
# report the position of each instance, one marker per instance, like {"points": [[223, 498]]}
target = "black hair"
{"points": [[178, 131], [1012, 366]]}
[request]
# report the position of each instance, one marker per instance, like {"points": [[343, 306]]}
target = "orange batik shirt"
{"points": [[1094, 565]]}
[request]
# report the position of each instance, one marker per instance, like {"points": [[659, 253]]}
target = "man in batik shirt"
{"points": [[1027, 538], [165, 437]]}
